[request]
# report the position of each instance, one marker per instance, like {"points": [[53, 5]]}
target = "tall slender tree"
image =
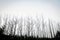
{"points": [[38, 27], [43, 26], [28, 26], [31, 26], [51, 28], [15, 23]]}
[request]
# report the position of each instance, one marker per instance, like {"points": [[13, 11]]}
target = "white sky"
{"points": [[49, 9]]}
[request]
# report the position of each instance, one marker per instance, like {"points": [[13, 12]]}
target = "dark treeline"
{"points": [[10, 37]]}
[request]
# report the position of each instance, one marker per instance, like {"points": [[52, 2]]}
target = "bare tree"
{"points": [[5, 27], [31, 26], [51, 29], [0, 21], [58, 26], [38, 26], [43, 26], [15, 23], [12, 26], [21, 26], [28, 26]]}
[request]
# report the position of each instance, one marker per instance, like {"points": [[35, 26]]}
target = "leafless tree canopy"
{"points": [[30, 27]]}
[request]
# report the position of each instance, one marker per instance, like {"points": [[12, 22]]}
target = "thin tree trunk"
{"points": [[50, 28]]}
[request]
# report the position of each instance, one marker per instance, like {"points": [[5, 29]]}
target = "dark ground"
{"points": [[5, 37]]}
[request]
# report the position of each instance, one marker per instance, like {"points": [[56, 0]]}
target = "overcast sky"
{"points": [[47, 8]]}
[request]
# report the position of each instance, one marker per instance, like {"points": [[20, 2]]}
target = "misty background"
{"points": [[47, 8]]}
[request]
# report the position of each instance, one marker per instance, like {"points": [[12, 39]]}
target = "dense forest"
{"points": [[28, 28]]}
